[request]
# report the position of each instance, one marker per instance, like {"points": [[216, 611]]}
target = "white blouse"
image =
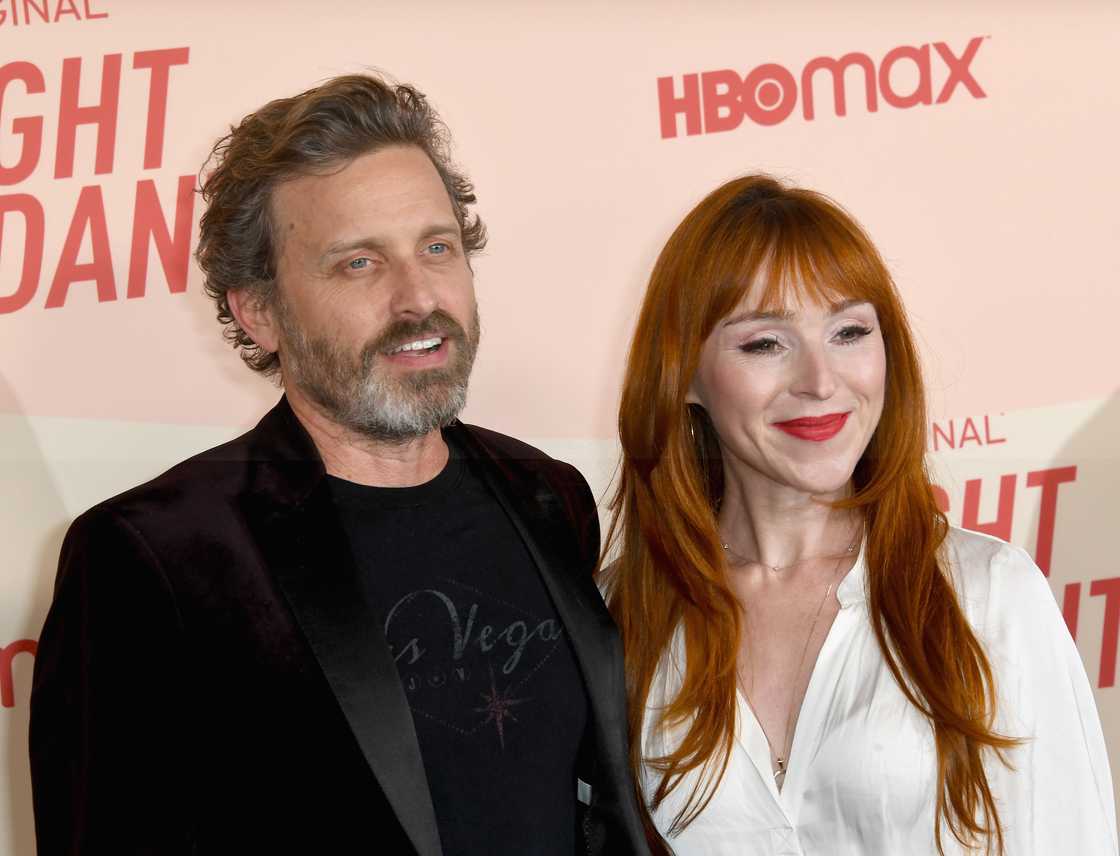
{"points": [[862, 768]]}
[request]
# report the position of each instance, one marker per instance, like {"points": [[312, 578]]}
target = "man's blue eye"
{"points": [[358, 264], [438, 248]]}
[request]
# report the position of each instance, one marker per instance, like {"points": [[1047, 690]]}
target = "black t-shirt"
{"points": [[496, 696]]}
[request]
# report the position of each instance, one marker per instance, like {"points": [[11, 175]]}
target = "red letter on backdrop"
{"points": [[837, 67], [160, 63], [958, 70], [32, 248], [103, 114], [923, 92], [716, 100], [761, 109], [70, 9], [939, 434], [1111, 590], [7, 690], [969, 432], [1071, 607], [43, 11], [88, 213], [28, 127], [671, 105], [1048, 480], [1001, 526], [149, 224], [91, 15]]}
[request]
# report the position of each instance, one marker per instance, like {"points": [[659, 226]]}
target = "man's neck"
{"points": [[355, 457]]}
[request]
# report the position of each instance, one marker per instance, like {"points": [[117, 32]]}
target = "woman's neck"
{"points": [[775, 525]]}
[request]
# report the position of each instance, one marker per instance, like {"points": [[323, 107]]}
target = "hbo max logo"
{"points": [[713, 101]]}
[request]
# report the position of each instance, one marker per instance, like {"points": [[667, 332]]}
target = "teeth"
{"points": [[418, 345]]}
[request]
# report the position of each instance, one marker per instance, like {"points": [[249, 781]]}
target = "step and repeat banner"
{"points": [[976, 142]]}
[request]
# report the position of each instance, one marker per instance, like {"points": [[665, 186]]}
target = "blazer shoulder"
{"points": [[212, 478], [510, 451], [505, 447], [543, 480], [517, 455]]}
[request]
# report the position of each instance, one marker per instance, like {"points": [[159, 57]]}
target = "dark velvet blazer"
{"points": [[208, 679]]}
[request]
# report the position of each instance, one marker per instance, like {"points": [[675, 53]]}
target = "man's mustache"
{"points": [[439, 323]]}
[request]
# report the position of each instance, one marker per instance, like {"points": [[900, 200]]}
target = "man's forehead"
{"points": [[383, 191]]}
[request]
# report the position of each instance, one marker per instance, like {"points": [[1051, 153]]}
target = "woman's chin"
{"points": [[833, 484]]}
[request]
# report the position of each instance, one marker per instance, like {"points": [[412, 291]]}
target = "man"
{"points": [[362, 627]]}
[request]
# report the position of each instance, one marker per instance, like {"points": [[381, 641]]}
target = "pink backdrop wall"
{"points": [[974, 141]]}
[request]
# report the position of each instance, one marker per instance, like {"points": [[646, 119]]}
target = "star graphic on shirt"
{"points": [[498, 708]]}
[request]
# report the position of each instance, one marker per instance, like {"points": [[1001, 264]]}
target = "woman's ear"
{"points": [[693, 395]]}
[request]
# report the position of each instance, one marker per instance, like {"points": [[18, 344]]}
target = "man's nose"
{"points": [[414, 294]]}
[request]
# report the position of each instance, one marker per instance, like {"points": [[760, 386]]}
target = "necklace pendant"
{"points": [[780, 774]]}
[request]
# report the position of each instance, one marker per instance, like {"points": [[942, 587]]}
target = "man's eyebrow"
{"points": [[433, 231], [340, 247], [743, 317]]}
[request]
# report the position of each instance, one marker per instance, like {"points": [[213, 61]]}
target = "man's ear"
{"points": [[256, 316]]}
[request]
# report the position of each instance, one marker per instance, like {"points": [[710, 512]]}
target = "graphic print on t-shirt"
{"points": [[466, 657], [484, 660]]}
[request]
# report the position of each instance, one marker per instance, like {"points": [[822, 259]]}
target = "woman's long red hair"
{"points": [[670, 571]]}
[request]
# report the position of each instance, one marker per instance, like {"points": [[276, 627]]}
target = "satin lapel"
{"points": [[307, 551]]}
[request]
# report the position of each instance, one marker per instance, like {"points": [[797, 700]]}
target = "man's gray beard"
{"points": [[358, 395]]}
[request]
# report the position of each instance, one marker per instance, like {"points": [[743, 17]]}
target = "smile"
{"points": [[418, 347], [816, 429]]}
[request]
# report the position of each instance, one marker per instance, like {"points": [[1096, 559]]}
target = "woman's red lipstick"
{"points": [[814, 428]]}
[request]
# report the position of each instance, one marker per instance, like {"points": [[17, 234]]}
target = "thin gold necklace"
{"points": [[781, 761], [740, 559]]}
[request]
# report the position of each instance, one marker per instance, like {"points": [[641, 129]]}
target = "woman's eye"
{"points": [[439, 248], [852, 333], [761, 346]]}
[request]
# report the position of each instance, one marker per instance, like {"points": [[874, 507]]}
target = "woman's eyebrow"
{"points": [[786, 315], [757, 315], [843, 305]]}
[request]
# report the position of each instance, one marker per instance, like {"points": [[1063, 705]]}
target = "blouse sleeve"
{"points": [[1056, 797]]}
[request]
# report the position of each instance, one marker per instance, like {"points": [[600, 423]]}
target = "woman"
{"points": [[817, 663]]}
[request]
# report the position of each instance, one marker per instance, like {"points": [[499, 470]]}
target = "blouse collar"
{"points": [[853, 588]]}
